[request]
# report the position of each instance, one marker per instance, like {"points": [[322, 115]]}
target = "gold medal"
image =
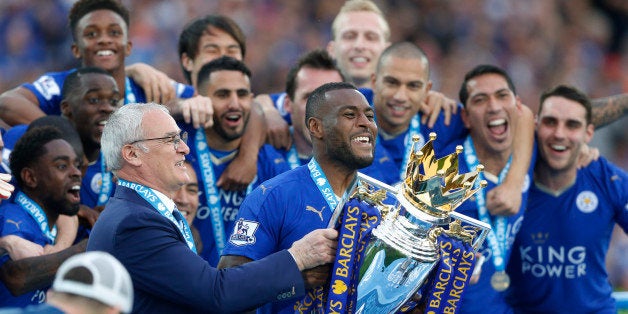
{"points": [[500, 281]]}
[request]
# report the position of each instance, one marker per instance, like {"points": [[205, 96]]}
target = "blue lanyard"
{"points": [[319, 178], [152, 198], [497, 237], [293, 157], [129, 97], [106, 183], [211, 191], [38, 214], [414, 129]]}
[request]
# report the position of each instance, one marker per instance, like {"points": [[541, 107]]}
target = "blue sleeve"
{"points": [[47, 89], [446, 134], [617, 187], [261, 232], [184, 91], [14, 221], [278, 100]]}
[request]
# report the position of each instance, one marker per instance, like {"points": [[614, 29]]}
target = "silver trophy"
{"points": [[403, 250]]}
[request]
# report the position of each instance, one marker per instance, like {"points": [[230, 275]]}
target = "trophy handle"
{"points": [[360, 177], [483, 227]]}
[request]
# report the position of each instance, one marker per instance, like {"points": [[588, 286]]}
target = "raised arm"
{"points": [[277, 129], [19, 248], [157, 86], [505, 199], [19, 106], [242, 170], [37, 272], [609, 109]]}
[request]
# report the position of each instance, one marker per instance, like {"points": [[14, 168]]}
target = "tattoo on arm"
{"points": [[609, 109]]}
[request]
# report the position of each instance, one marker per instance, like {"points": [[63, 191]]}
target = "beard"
{"points": [[62, 206], [229, 136], [340, 150]]}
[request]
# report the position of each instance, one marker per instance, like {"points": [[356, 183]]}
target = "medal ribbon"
{"points": [[106, 184], [414, 129], [211, 191], [129, 97], [293, 156], [319, 178], [452, 276], [152, 198], [38, 214], [497, 237]]}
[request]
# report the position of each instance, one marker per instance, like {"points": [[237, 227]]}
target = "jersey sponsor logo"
{"points": [[318, 212], [47, 86], [96, 182], [553, 262], [244, 232], [586, 202]]}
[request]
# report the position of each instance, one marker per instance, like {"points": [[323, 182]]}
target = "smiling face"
{"points": [[349, 128], [562, 129], [359, 39], [186, 198], [91, 105], [58, 178], [399, 88], [214, 43], [163, 165], [102, 40], [230, 92], [307, 80], [486, 113]]}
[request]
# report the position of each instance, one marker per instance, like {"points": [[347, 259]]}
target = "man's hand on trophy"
{"points": [[315, 248], [477, 271], [316, 276]]}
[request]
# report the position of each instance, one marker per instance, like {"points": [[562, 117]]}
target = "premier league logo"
{"points": [[244, 232]]}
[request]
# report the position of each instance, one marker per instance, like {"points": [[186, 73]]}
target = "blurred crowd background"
{"points": [[539, 42]]}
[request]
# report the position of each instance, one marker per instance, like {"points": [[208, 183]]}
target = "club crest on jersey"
{"points": [[243, 232], [96, 182], [586, 202]]}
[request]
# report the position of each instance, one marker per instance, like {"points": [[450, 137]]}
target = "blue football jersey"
{"points": [[14, 220], [558, 259], [269, 164], [276, 214]]}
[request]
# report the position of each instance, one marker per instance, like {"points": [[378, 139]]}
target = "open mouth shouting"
{"points": [[74, 193]]}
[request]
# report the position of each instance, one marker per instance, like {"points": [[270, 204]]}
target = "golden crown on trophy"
{"points": [[434, 185]]}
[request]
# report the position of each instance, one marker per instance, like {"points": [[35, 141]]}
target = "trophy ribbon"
{"points": [[452, 275], [497, 238], [357, 221]]}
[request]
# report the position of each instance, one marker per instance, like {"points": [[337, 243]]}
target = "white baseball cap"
{"points": [[110, 282]]}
